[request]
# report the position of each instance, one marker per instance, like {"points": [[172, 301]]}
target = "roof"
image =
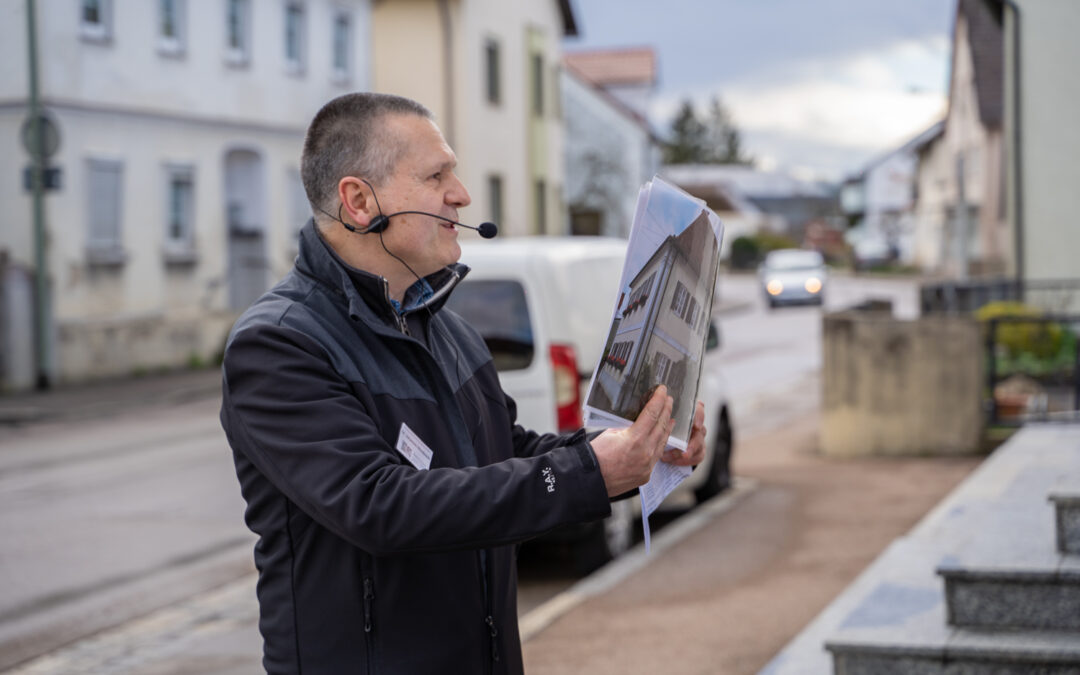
{"points": [[622, 108], [693, 243], [987, 42], [743, 179], [916, 145], [614, 67]]}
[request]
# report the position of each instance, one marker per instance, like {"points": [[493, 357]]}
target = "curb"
{"points": [[634, 560]]}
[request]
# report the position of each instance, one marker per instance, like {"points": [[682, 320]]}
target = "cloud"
{"points": [[837, 109]]}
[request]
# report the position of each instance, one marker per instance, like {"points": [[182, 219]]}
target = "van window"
{"points": [[496, 308]]}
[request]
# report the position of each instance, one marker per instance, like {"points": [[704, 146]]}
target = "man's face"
{"points": [[423, 180]]}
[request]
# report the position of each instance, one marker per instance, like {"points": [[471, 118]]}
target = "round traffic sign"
{"points": [[50, 134]]}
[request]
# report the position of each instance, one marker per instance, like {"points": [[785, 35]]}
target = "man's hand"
{"points": [[626, 456], [695, 447]]}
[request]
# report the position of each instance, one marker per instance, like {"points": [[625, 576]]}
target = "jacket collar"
{"points": [[368, 294]]}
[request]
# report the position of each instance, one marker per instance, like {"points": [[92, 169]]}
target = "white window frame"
{"points": [[179, 248], [172, 45], [109, 249], [238, 56], [100, 30], [295, 64], [341, 73]]}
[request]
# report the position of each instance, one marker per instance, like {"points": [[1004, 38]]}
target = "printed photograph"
{"points": [[660, 325]]}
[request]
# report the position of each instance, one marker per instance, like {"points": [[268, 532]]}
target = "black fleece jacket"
{"points": [[366, 563]]}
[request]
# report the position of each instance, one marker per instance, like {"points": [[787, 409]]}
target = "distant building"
{"points": [[749, 200], [610, 149], [879, 201], [961, 223], [489, 70], [180, 125]]}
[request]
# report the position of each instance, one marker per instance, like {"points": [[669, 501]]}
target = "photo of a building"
{"points": [[660, 327]]}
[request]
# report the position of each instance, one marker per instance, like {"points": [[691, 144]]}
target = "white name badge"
{"points": [[413, 449]]}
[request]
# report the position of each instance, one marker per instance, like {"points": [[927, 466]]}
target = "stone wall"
{"points": [[895, 387]]}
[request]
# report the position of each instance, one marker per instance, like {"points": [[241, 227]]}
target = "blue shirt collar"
{"points": [[415, 296]]}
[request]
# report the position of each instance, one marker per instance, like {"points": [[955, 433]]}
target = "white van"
{"points": [[543, 305]]}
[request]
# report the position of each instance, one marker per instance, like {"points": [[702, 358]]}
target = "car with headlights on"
{"points": [[543, 306], [793, 276]]}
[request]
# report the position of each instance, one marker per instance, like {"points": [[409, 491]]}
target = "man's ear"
{"points": [[357, 201]]}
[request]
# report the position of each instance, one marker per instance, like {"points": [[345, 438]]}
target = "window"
{"points": [[238, 32], [538, 85], [556, 91], [540, 197], [295, 38], [495, 194], [680, 300], [104, 243], [95, 19], [171, 27], [180, 214], [299, 207], [342, 47], [661, 367], [498, 310], [491, 68]]}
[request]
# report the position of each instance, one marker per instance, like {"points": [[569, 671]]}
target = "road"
{"points": [[108, 521]]}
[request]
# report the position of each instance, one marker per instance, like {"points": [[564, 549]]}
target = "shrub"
{"points": [[744, 253], [1041, 339]]}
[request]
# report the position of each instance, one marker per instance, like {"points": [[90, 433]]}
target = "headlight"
{"points": [[812, 285], [774, 287]]}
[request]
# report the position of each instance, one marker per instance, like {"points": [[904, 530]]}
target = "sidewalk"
{"points": [[105, 397], [730, 595]]}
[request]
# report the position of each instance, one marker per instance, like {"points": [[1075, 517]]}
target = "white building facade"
{"points": [[610, 153], [181, 125]]}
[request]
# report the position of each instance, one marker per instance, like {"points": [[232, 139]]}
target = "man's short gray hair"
{"points": [[346, 138]]}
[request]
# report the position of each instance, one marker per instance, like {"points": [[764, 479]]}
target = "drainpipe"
{"points": [[1018, 155], [37, 182], [448, 70]]}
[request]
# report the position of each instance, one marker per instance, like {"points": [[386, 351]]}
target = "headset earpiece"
{"points": [[378, 224]]}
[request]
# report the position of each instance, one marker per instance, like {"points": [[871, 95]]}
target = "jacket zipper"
{"points": [[369, 638], [369, 594], [494, 634], [398, 319]]}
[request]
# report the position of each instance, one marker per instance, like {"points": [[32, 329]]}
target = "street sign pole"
{"points": [[37, 155]]}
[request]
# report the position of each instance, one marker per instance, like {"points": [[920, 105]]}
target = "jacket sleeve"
{"points": [[305, 430], [528, 443]]}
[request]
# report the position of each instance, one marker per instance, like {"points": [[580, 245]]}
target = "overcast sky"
{"points": [[818, 87]]}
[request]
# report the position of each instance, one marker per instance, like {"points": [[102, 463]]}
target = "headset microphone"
{"points": [[380, 222]]}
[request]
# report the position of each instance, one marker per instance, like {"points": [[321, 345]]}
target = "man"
{"points": [[379, 458]]}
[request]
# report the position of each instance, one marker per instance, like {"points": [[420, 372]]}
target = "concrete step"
{"points": [[961, 652], [1067, 520], [1038, 599], [894, 618]]}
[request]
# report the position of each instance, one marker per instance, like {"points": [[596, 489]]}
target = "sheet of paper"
{"points": [[665, 478]]}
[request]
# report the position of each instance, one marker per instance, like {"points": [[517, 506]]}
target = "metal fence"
{"points": [[1033, 369], [1060, 296]]}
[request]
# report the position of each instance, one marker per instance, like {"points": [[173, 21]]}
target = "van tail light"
{"points": [[567, 388]]}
